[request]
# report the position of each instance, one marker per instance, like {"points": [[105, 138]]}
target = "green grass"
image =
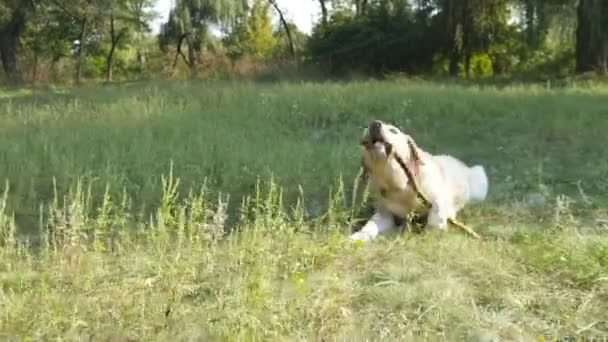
{"points": [[217, 210]]}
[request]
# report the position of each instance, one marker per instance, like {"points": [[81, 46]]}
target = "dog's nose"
{"points": [[374, 129], [375, 125]]}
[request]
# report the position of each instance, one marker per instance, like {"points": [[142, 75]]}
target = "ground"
{"points": [[220, 210]]}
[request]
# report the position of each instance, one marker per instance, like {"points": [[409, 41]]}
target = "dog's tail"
{"points": [[478, 184]]}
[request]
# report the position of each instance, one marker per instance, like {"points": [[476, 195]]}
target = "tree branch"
{"points": [[179, 52], [65, 10], [292, 47]]}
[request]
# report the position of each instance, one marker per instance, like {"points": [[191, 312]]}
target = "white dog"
{"points": [[448, 183]]}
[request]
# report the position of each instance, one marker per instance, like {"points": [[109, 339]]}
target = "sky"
{"points": [[302, 12]]}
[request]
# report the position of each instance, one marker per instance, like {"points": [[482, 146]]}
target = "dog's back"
{"points": [[468, 184]]}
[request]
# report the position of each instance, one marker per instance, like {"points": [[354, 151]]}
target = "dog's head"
{"points": [[381, 141]]}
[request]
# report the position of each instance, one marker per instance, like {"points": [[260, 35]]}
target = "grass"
{"points": [[217, 210]]}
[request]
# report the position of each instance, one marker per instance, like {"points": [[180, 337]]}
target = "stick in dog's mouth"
{"points": [[375, 136]]}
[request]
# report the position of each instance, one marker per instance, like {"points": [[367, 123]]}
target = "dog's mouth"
{"points": [[375, 140]]}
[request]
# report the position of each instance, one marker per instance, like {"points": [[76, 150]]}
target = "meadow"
{"points": [[217, 210]]}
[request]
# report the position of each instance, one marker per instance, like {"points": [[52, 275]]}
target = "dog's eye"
{"points": [[393, 130]]}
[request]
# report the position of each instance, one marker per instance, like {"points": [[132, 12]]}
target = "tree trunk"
{"points": [[109, 64], [178, 52], [454, 57], [111, 52], [141, 59], [360, 7], [542, 26], [467, 64], [292, 47], [80, 57], [451, 26], [192, 55], [363, 7], [9, 43], [498, 67], [35, 66], [54, 74], [114, 40], [467, 32], [604, 56], [530, 10], [8, 50], [323, 13], [140, 51], [591, 36]]}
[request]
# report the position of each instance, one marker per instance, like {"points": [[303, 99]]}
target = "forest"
{"points": [[71, 41], [196, 175]]}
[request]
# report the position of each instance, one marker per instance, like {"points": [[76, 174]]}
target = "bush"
{"points": [[385, 40]]}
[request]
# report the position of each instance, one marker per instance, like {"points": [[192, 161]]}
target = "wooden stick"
{"points": [[426, 201]]}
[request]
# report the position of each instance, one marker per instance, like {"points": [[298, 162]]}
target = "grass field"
{"points": [[219, 211]]}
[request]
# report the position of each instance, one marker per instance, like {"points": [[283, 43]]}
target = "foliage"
{"points": [[281, 49], [13, 20], [252, 34], [389, 38], [189, 23], [592, 36], [511, 35], [470, 38]]}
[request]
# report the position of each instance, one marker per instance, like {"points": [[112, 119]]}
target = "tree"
{"points": [[282, 50], [469, 27], [324, 13], [142, 13], [189, 23], [49, 35], [83, 14], [292, 46], [125, 19], [389, 37], [116, 12], [361, 7], [13, 16], [592, 36], [547, 30], [536, 22], [33, 37], [252, 33]]}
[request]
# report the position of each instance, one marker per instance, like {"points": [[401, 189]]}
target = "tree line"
{"points": [[58, 40]]}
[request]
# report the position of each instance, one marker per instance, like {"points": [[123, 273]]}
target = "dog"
{"points": [[447, 182]]}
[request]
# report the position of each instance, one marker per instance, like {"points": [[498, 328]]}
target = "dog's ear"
{"points": [[415, 154]]}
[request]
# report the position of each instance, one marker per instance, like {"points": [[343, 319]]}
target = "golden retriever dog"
{"points": [[448, 183]]}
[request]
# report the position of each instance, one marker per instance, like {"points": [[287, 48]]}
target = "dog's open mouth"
{"points": [[375, 139]]}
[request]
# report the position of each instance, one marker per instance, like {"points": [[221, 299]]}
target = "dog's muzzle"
{"points": [[375, 137]]}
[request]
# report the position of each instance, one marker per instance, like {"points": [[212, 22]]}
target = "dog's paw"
{"points": [[360, 236]]}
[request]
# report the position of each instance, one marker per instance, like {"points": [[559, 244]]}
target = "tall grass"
{"points": [[207, 210]]}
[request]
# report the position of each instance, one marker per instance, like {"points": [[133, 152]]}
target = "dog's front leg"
{"points": [[438, 217], [380, 222]]}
